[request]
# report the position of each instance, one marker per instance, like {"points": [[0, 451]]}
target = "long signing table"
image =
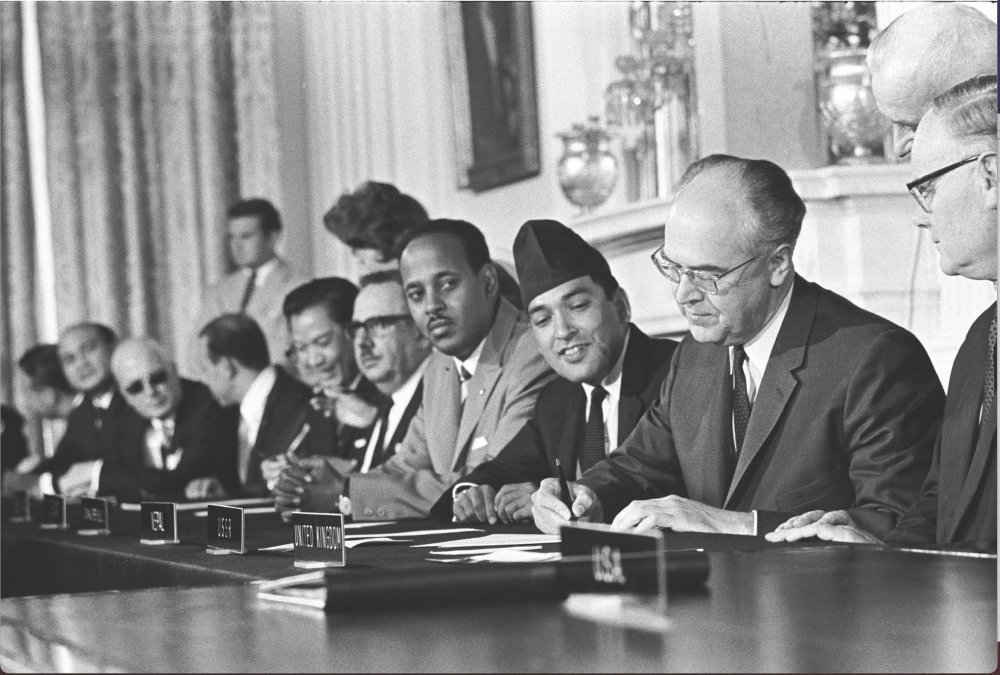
{"points": [[124, 606]]}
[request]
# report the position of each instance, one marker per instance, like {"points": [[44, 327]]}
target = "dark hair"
{"points": [[381, 277], [41, 364], [473, 243], [374, 216], [270, 221], [238, 337], [335, 294], [767, 188]]}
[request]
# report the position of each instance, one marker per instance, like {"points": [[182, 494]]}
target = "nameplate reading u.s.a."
{"points": [[614, 562], [225, 530], [95, 516], [21, 508], [319, 540], [53, 512], [159, 523]]}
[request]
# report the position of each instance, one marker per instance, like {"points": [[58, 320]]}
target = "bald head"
{"points": [[147, 377], [922, 54]]}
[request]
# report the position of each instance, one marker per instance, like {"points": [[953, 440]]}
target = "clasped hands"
{"points": [[677, 513], [311, 483], [483, 503]]}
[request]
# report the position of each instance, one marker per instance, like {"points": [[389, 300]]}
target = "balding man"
{"points": [[784, 397], [922, 54], [181, 435], [955, 188]]}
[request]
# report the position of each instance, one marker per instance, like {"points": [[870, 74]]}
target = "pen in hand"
{"points": [[564, 493]]}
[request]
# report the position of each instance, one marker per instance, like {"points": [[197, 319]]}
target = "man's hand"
{"points": [[681, 515], [312, 484], [76, 481], [476, 504], [271, 468], [207, 487], [348, 407], [513, 502], [550, 513], [832, 526]]}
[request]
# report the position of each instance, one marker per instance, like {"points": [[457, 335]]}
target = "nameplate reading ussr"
{"points": [[225, 529], [613, 562], [53, 512], [21, 508], [95, 516], [159, 523], [319, 539]]}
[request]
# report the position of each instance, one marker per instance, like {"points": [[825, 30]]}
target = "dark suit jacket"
{"points": [[557, 424], [90, 434], [845, 418], [13, 444], [199, 431], [360, 445], [958, 502]]}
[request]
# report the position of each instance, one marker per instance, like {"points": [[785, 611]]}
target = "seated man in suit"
{"points": [[480, 385], [784, 398], [609, 373], [272, 412], [259, 286], [180, 434], [94, 425], [955, 161]]}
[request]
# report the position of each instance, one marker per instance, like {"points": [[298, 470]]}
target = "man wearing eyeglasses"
{"points": [[957, 202], [179, 437], [784, 398]]}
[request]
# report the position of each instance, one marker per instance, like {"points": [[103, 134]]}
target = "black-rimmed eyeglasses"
{"points": [[706, 282], [922, 188], [157, 378], [375, 325]]}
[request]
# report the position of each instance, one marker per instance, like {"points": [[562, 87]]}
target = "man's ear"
{"points": [[491, 282], [986, 177], [780, 263], [623, 308]]}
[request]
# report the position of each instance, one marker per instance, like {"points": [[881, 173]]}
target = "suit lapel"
{"points": [[571, 440], [635, 371], [974, 476], [441, 410], [712, 443], [778, 384]]}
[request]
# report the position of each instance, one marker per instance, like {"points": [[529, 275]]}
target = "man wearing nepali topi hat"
{"points": [[609, 373]]}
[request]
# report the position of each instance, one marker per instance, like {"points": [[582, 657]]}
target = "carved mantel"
{"points": [[857, 239]]}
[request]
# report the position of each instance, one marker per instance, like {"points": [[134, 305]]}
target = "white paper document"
{"points": [[475, 551], [505, 555], [412, 533], [498, 540]]}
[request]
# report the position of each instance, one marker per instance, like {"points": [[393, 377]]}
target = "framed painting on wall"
{"points": [[492, 73]]}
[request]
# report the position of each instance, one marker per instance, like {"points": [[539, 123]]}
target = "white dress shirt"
{"points": [[159, 434], [400, 400], [612, 384], [470, 364]]}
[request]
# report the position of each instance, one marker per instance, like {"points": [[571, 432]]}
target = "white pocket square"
{"points": [[479, 442]]}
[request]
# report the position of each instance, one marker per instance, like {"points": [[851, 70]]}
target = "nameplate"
{"points": [[225, 530], [318, 540], [159, 523], [21, 508], [53, 512], [95, 516], [614, 562]]}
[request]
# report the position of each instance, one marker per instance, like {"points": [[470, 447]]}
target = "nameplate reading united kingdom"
{"points": [[319, 540], [53, 512], [95, 516], [159, 523], [21, 509], [225, 530], [614, 562]]}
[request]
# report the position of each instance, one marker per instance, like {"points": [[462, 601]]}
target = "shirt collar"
{"points": [[403, 395], [612, 382], [472, 362], [252, 405], [759, 348], [103, 400]]}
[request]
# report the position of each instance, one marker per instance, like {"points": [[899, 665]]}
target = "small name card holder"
{"points": [[21, 508], [225, 530], [53, 512], [319, 540], [95, 517], [630, 566], [158, 523]]}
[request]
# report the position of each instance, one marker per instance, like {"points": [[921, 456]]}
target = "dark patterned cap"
{"points": [[548, 254]]}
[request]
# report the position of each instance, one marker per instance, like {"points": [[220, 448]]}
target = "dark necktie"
{"points": [[593, 431], [463, 377], [741, 400], [990, 385], [248, 292]]}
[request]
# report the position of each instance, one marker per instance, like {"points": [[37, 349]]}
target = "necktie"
{"points": [[990, 385], [593, 431], [248, 292], [463, 377], [382, 425], [166, 429], [741, 400]]}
